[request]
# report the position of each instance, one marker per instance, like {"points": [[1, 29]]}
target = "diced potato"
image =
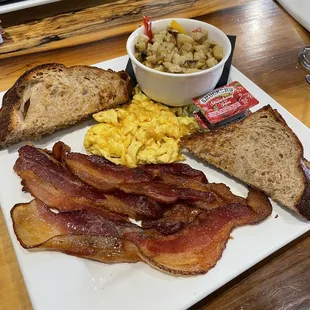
{"points": [[210, 42], [190, 63], [143, 38], [139, 57], [200, 65], [168, 57], [169, 46], [211, 62], [149, 50], [172, 67], [140, 46], [152, 59], [200, 36], [218, 52], [200, 56], [159, 68], [186, 48], [172, 51], [183, 39], [209, 55], [203, 48], [156, 47], [148, 64], [206, 44], [158, 38], [190, 70], [170, 38], [177, 60], [188, 56]]}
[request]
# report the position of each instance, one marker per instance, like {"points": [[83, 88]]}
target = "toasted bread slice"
{"points": [[52, 96], [261, 151]]}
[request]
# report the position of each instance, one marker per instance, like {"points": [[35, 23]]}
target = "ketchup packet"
{"points": [[225, 104]]}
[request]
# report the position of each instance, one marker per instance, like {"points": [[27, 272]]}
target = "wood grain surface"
{"points": [[268, 42], [13, 293], [96, 23]]}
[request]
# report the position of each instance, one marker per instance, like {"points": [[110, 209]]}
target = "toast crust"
{"points": [[302, 204], [12, 98]]}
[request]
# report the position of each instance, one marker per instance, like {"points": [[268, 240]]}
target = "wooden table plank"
{"points": [[13, 292], [97, 23], [266, 51], [278, 282]]}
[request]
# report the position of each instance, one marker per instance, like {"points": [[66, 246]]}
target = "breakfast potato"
{"points": [[218, 52], [174, 51], [200, 35], [142, 43], [211, 62]]}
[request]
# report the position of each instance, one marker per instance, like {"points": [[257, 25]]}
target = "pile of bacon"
{"points": [[83, 204]]}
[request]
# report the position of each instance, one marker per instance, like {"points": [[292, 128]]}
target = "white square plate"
{"points": [[300, 10], [58, 281], [22, 4]]}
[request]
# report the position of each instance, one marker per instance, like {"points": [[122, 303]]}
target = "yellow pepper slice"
{"points": [[175, 25]]}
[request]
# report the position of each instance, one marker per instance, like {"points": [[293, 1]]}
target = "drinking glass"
{"points": [[304, 59]]}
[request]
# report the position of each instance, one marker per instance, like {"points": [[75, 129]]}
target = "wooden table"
{"points": [[267, 47]]}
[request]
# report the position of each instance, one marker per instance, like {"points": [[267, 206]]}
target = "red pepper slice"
{"points": [[148, 27]]}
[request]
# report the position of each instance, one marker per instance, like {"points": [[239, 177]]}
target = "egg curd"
{"points": [[142, 132]]}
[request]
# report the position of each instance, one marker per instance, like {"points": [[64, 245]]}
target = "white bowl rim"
{"points": [[182, 75]]}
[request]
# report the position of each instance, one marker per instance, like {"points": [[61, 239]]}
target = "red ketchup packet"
{"points": [[225, 104]]}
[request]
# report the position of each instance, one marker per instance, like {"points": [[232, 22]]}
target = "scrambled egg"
{"points": [[143, 132]]}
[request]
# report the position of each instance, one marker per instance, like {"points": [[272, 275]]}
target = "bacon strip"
{"points": [[95, 234], [177, 174], [100, 235], [164, 183], [103, 174], [174, 219], [194, 240], [176, 169], [106, 176], [48, 180], [197, 248]]}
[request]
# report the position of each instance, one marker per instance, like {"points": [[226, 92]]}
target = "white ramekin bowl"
{"points": [[178, 89]]}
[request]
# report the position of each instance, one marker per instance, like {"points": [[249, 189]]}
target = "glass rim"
{"points": [[304, 58]]}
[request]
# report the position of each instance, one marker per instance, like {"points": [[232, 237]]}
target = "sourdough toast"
{"points": [[261, 151], [52, 96]]}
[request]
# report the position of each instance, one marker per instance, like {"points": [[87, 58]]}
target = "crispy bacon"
{"points": [[167, 193], [188, 239], [174, 219], [95, 234], [208, 197], [100, 235], [177, 174], [104, 175], [50, 181], [164, 183], [59, 150], [197, 248], [165, 171]]}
